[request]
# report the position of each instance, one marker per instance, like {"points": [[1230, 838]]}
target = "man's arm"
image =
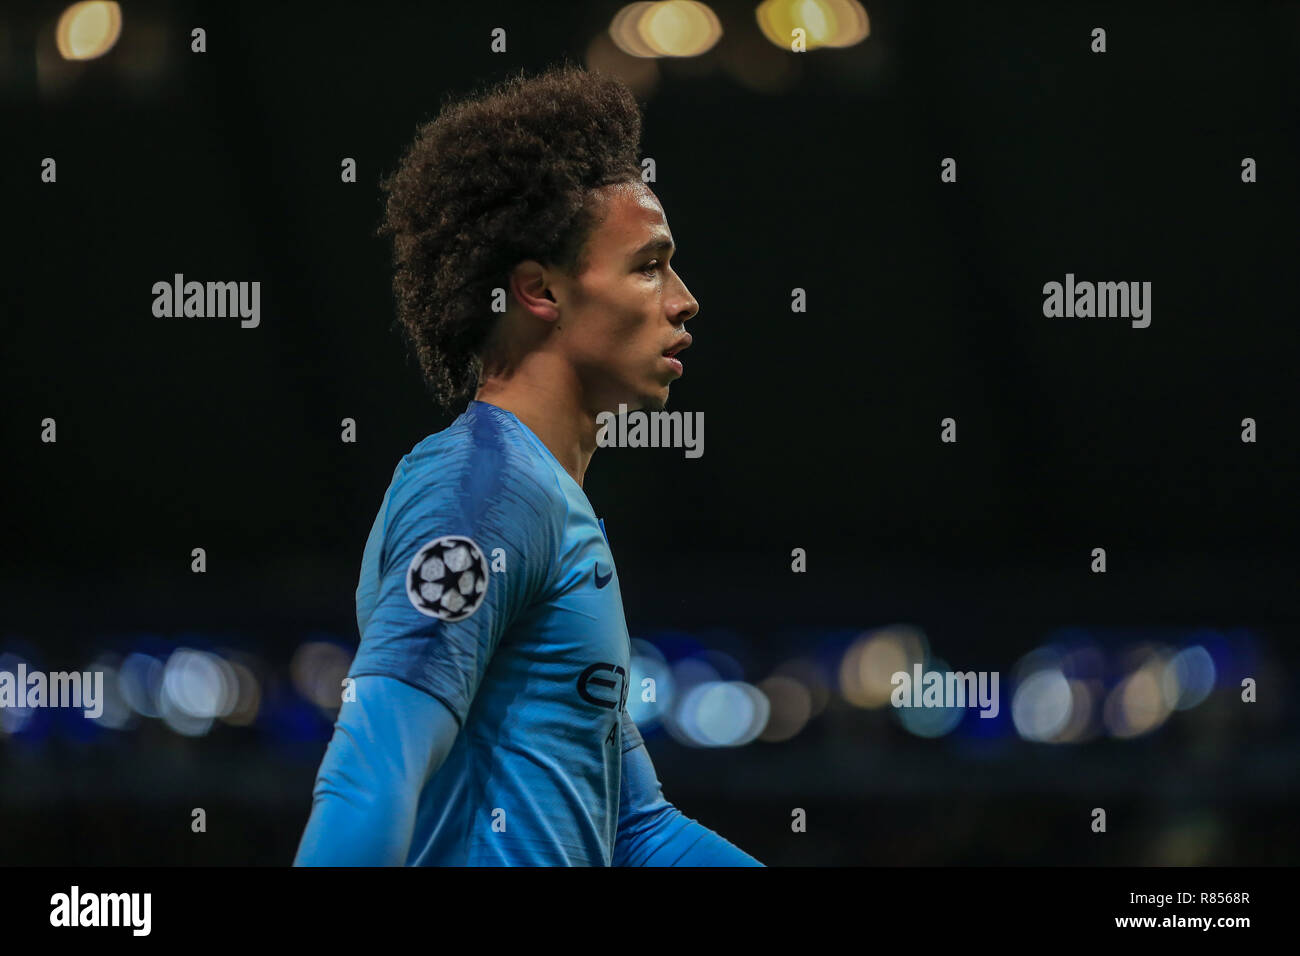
{"points": [[428, 634], [387, 743], [651, 831]]}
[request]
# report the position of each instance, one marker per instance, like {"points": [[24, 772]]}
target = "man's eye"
{"points": [[650, 266]]}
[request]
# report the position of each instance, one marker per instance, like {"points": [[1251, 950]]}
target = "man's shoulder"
{"points": [[481, 460]]}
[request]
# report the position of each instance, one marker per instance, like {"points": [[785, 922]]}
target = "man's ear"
{"points": [[530, 285]]}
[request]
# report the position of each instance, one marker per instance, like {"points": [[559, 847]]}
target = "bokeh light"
{"points": [[826, 23], [317, 670], [116, 713], [13, 720], [1138, 704], [88, 30], [1188, 678], [791, 704], [199, 684], [668, 28], [648, 662], [931, 721], [724, 713], [1042, 705], [140, 680], [869, 664]]}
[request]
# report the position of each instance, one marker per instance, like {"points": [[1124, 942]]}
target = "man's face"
{"points": [[622, 315]]}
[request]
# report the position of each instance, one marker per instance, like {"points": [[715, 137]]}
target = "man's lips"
{"points": [[681, 344]]}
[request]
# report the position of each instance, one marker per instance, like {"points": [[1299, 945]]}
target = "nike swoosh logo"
{"points": [[602, 581]]}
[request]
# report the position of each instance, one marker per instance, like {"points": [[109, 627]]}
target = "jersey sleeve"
{"points": [[653, 832], [466, 548], [388, 740]]}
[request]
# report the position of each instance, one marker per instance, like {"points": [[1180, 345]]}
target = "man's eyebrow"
{"points": [[657, 244]]}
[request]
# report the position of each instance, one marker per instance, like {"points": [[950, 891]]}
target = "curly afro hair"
{"points": [[497, 178]]}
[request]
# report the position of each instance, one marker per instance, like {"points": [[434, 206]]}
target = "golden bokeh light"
{"points": [[88, 30], [825, 23], [667, 28]]}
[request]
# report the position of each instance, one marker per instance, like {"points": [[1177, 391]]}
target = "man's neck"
{"points": [[553, 415]]}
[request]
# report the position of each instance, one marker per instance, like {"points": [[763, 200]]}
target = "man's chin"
{"points": [[655, 403], [651, 402]]}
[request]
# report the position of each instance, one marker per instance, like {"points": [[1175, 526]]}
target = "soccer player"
{"points": [[486, 721]]}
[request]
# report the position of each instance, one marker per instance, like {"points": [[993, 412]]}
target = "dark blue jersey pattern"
{"points": [[485, 722]]}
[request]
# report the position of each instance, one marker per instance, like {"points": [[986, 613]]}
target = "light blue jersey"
{"points": [[488, 583]]}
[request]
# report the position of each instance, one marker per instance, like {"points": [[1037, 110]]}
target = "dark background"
{"points": [[924, 301]]}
